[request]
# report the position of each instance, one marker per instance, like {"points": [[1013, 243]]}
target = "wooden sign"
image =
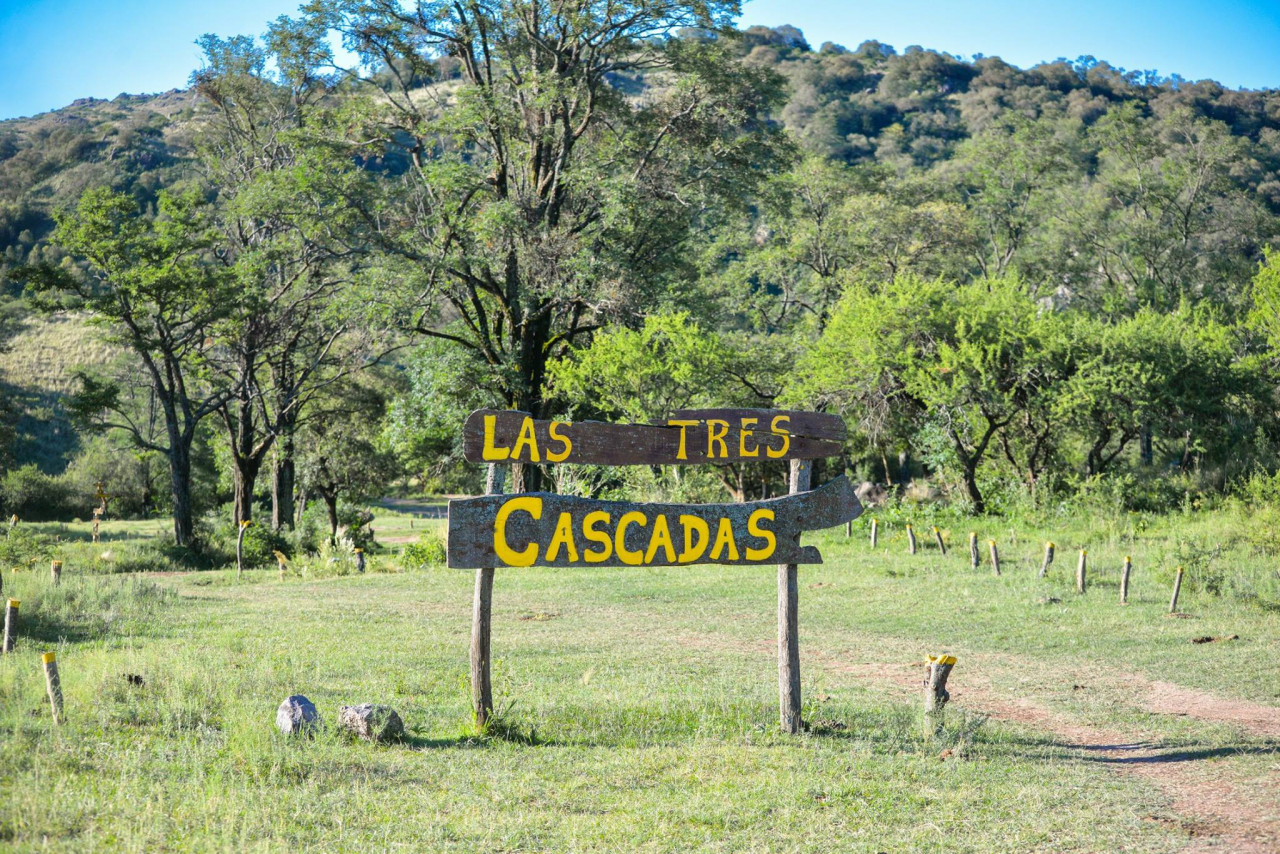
{"points": [[544, 529], [687, 438]]}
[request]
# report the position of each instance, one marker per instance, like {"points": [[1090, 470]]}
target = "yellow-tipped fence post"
{"points": [[936, 695], [55, 568], [1081, 569], [10, 625], [875, 529], [1124, 580], [1048, 559], [53, 684], [911, 540], [937, 535], [995, 556]]}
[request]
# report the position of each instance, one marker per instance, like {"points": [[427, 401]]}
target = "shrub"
{"points": [[35, 496], [427, 552]]}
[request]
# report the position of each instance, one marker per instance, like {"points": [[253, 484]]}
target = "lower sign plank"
{"points": [[543, 529]]}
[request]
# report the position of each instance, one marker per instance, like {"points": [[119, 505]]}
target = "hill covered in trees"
{"points": [[1020, 281]]}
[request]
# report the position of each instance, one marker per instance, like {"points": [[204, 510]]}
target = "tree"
{"points": [[341, 455], [152, 286], [968, 359], [534, 201]]}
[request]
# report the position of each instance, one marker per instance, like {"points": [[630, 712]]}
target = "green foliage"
{"points": [[35, 496], [428, 552]]}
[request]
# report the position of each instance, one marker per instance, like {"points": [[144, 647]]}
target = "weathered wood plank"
{"points": [[689, 438], [542, 529]]}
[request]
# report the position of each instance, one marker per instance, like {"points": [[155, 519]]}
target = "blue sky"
{"points": [[54, 51]]}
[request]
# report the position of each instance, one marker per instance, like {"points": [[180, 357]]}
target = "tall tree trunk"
{"points": [[180, 482], [284, 482], [970, 470], [330, 497]]}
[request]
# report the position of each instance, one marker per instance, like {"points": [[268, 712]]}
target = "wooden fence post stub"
{"points": [[974, 559], [55, 569], [1177, 588], [935, 693], [481, 624], [1081, 569], [53, 684], [789, 623], [937, 535], [244, 527], [10, 624], [995, 556], [911, 540], [874, 531], [1048, 559], [1124, 580]]}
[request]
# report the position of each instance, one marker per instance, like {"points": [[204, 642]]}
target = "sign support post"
{"points": [[481, 623], [789, 622]]}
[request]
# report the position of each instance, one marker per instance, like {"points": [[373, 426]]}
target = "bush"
{"points": [[23, 548], [427, 552], [32, 495]]}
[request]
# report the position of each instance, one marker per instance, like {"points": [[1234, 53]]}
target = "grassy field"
{"points": [[639, 707]]}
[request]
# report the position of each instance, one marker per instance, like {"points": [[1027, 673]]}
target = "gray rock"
{"points": [[371, 722], [297, 714]]}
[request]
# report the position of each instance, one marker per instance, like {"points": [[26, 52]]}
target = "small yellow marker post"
{"points": [[54, 684], [1081, 569], [1048, 559], [10, 625], [911, 540], [937, 535], [55, 569], [1124, 580], [1177, 588], [874, 531], [974, 558], [244, 527], [995, 556], [359, 560], [936, 695]]}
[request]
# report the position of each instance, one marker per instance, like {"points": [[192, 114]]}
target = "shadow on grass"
{"points": [[1145, 753]]}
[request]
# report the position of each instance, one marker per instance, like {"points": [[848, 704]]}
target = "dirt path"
{"points": [[1218, 813]]}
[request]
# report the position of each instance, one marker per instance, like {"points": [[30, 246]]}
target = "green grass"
{"points": [[639, 707]]}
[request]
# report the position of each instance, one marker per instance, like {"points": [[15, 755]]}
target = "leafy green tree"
{"points": [[534, 201], [153, 290], [968, 358]]}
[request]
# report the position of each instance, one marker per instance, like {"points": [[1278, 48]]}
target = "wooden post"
{"points": [[848, 529], [995, 556], [974, 559], [874, 530], [1173, 603], [937, 535], [359, 560], [481, 623], [911, 540], [1124, 580], [10, 625], [1048, 559], [789, 622], [244, 526], [55, 568], [53, 684], [935, 690], [1081, 569]]}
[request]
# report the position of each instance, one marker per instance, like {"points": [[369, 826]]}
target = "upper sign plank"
{"points": [[688, 438], [543, 529]]}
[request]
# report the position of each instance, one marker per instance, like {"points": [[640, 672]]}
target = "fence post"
{"points": [[874, 531], [937, 535], [53, 684], [244, 526], [55, 568], [911, 540], [481, 623], [974, 559], [1081, 569], [1124, 580], [935, 694], [995, 556], [789, 622], [10, 625], [1178, 588], [1048, 559]]}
